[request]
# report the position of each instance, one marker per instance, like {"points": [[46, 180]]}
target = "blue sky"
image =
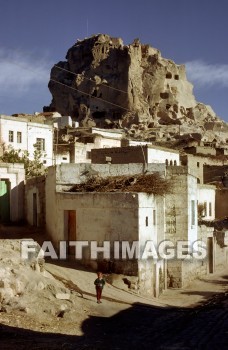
{"points": [[34, 35]]}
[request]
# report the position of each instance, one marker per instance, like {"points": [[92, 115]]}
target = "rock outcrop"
{"points": [[25, 285], [107, 84]]}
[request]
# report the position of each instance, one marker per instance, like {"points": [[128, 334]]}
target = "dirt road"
{"points": [[193, 318]]}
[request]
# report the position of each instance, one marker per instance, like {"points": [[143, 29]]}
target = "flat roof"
{"points": [[25, 120]]}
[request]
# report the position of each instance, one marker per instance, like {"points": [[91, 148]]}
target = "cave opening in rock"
{"points": [[98, 114]]}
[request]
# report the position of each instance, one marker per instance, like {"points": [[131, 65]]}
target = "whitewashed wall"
{"points": [[156, 155], [206, 196], [45, 132], [30, 132]]}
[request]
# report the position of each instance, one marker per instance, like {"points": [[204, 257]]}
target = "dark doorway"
{"points": [[34, 206], [4, 200], [210, 254], [70, 229]]}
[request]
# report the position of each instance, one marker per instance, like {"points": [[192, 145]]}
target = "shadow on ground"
{"points": [[22, 231], [221, 282], [139, 327]]}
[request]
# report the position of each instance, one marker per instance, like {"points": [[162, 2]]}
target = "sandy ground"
{"points": [[191, 318]]}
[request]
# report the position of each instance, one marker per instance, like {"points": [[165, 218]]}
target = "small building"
{"points": [[74, 214], [79, 142], [118, 216]]}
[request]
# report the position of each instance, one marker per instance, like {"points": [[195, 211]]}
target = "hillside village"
{"points": [[194, 207], [154, 167]]}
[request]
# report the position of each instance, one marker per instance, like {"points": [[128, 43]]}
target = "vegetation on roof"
{"points": [[147, 183]]}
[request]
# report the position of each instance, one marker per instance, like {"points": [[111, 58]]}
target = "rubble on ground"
{"points": [[26, 286]]}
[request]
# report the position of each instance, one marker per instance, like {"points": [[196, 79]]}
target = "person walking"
{"points": [[99, 285]]}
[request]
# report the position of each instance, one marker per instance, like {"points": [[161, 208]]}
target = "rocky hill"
{"points": [[108, 84]]}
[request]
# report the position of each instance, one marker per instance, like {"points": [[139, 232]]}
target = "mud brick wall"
{"points": [[119, 155]]}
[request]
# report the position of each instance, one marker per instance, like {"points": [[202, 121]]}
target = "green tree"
{"points": [[33, 167]]}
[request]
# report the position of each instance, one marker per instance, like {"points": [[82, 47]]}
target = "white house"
{"points": [[206, 198], [21, 134]]}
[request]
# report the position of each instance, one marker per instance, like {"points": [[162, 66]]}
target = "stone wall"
{"points": [[123, 155], [67, 175], [136, 154], [221, 249], [181, 273], [152, 277], [179, 211]]}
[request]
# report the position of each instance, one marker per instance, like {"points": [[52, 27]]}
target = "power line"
{"points": [[90, 79], [98, 98]]}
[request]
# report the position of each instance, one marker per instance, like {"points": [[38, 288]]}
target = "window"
{"points": [[10, 136], [146, 220], [40, 144], [198, 164], [154, 217], [88, 155], [205, 208], [210, 209], [19, 137], [64, 158], [164, 95], [193, 212]]}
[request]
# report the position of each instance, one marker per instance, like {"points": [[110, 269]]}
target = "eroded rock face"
{"points": [[107, 84]]}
